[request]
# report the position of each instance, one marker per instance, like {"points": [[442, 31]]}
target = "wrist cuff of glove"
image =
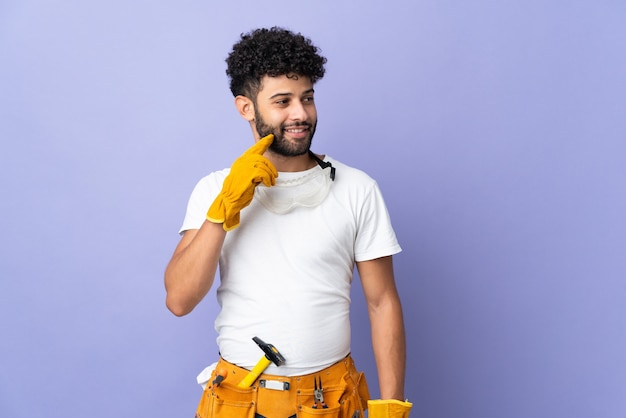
{"points": [[389, 401], [228, 225], [388, 408], [218, 214]]}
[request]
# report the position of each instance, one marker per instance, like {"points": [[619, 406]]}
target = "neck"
{"points": [[291, 164]]}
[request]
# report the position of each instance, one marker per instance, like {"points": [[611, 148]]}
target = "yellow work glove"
{"points": [[388, 408], [247, 172]]}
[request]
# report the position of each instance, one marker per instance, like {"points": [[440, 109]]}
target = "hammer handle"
{"points": [[255, 373]]}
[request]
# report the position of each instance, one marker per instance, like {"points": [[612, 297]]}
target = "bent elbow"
{"points": [[177, 309]]}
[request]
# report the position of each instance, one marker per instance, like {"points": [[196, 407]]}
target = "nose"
{"points": [[297, 111]]}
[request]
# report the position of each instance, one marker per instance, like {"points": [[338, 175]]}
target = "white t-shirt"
{"points": [[285, 277]]}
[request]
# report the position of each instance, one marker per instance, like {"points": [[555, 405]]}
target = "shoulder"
{"points": [[350, 176], [213, 179], [209, 186]]}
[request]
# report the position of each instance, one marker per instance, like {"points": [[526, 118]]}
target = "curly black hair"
{"points": [[273, 52]]}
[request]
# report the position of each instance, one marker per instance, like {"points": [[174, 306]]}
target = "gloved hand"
{"points": [[388, 408], [247, 172]]}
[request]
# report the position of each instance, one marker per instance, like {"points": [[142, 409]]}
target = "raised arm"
{"points": [[191, 271]]}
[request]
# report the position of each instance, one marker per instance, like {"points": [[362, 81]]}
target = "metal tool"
{"points": [[271, 356], [219, 378], [318, 393]]}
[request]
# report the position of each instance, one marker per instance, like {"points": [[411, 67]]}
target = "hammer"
{"points": [[271, 356]]}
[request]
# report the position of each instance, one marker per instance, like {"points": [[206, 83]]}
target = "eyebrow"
{"points": [[291, 94]]}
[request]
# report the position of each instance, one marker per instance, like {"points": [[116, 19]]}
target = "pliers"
{"points": [[318, 393]]}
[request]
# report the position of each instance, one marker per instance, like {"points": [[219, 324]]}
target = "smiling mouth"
{"points": [[298, 129]]}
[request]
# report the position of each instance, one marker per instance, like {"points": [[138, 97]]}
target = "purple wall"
{"points": [[496, 131]]}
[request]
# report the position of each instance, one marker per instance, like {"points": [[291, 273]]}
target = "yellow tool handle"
{"points": [[255, 372]]}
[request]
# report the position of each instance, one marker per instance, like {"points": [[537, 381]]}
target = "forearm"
{"points": [[191, 271], [388, 340]]}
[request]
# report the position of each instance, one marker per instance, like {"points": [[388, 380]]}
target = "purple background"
{"points": [[496, 130]]}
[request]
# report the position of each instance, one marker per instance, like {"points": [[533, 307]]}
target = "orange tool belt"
{"points": [[345, 394]]}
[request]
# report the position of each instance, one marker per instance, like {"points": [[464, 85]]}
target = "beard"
{"points": [[281, 145]]}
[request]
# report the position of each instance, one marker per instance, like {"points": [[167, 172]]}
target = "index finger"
{"points": [[261, 145]]}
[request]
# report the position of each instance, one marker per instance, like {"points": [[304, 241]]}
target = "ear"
{"points": [[245, 107]]}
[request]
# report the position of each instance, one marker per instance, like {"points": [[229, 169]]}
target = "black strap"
{"points": [[324, 165], [261, 416]]}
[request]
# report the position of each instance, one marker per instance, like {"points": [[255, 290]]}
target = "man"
{"points": [[286, 227]]}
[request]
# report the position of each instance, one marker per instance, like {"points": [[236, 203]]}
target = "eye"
{"points": [[308, 99]]}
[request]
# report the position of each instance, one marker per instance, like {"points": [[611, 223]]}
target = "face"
{"points": [[285, 108]]}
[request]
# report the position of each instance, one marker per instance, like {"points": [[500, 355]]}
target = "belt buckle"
{"points": [[274, 384]]}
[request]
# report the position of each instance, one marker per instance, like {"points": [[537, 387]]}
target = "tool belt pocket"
{"points": [[227, 401], [333, 409], [307, 412], [349, 395]]}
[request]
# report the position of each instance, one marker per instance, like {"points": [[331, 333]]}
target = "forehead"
{"points": [[283, 84]]}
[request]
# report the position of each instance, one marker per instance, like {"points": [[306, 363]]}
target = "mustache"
{"points": [[297, 125], [265, 130]]}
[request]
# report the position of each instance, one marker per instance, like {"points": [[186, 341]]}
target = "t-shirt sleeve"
{"points": [[201, 198], [375, 235]]}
